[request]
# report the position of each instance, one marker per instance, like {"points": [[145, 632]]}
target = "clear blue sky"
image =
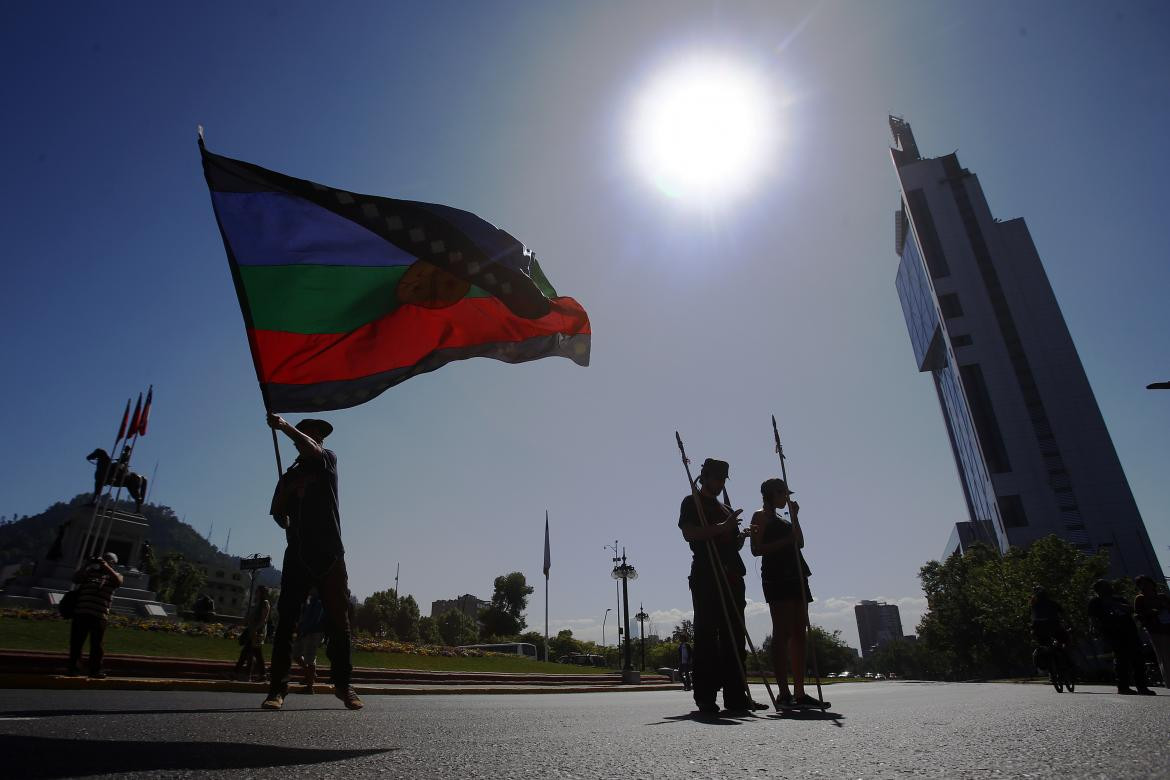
{"points": [[114, 274]]}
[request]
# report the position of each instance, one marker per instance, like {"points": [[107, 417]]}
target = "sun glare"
{"points": [[704, 130]]}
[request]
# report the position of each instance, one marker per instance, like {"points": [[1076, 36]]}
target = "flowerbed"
{"points": [[225, 631]]}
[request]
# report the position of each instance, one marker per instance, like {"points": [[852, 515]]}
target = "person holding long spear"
{"points": [[785, 590], [717, 589]]}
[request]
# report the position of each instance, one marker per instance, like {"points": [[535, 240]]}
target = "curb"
{"points": [[61, 682]]}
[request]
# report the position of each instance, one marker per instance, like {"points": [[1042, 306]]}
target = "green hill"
{"points": [[28, 538]]}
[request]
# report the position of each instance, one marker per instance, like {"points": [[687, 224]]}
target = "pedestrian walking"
{"points": [[786, 592], [685, 654], [1152, 610], [305, 504], [1113, 621], [98, 580], [310, 631], [250, 665]]}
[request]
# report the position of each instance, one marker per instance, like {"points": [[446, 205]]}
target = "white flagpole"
{"points": [[547, 565]]}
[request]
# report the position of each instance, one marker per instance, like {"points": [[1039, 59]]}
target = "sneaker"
{"points": [[709, 708], [1126, 691], [73, 671], [98, 675], [349, 696], [785, 701], [755, 705], [804, 701], [274, 701], [1146, 692]]}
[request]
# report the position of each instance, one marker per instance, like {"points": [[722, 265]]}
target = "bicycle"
{"points": [[1062, 673]]}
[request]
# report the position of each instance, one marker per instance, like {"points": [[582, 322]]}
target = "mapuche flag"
{"points": [[345, 295]]}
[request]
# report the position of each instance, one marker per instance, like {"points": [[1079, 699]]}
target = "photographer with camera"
{"points": [[98, 580]]}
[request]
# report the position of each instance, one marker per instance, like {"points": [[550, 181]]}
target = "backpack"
{"points": [[68, 605]]}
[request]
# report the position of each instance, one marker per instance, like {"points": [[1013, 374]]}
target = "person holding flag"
{"points": [[305, 505]]}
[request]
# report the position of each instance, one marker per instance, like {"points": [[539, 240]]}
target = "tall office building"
{"points": [[877, 623], [1033, 454]]}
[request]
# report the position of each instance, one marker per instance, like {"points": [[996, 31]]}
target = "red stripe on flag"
{"points": [[125, 419], [403, 338], [134, 420], [145, 412]]}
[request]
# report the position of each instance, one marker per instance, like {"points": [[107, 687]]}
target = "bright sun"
{"points": [[704, 130]]}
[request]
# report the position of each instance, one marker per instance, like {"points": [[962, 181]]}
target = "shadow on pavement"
{"points": [[172, 711], [43, 757]]}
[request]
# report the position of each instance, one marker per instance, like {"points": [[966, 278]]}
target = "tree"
{"points": [[428, 631], [978, 621], [563, 644], [174, 580], [377, 614], [406, 620], [457, 629], [683, 632], [505, 616]]}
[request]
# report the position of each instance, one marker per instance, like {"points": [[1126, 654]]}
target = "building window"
{"points": [[983, 413], [1011, 508], [949, 305], [963, 340], [936, 261]]}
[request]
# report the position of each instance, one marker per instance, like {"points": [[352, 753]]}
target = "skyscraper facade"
{"points": [[1033, 454], [877, 623]]}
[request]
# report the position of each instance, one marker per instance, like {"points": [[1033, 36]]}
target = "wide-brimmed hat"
{"points": [[716, 469], [313, 427]]}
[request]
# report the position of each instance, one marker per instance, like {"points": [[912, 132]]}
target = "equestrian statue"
{"points": [[117, 474]]}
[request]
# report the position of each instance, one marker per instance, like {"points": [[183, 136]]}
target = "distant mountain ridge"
{"points": [[30, 537]]}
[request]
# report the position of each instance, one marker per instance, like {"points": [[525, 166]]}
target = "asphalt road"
{"points": [[873, 730]]}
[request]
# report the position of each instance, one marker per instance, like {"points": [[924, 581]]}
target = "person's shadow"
{"points": [[49, 757]]}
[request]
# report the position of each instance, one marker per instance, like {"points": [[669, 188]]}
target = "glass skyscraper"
{"points": [[1032, 451]]}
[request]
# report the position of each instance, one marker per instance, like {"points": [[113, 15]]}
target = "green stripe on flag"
{"points": [[323, 298]]}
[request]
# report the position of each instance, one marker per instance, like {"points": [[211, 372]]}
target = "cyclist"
{"points": [[1048, 626]]}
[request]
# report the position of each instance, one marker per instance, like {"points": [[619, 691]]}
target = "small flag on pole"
{"points": [[125, 419], [547, 556], [134, 420], [145, 412]]}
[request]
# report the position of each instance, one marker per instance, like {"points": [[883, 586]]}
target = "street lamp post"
{"points": [[625, 572], [603, 619], [642, 617]]}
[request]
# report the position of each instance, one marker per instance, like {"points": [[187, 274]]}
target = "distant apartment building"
{"points": [[228, 588], [467, 604], [877, 623], [1030, 445]]}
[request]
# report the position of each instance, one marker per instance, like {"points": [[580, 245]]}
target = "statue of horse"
{"points": [[117, 475]]}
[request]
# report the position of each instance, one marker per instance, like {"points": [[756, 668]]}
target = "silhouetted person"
{"points": [[719, 650], [685, 655], [779, 543], [98, 579], [1113, 621], [310, 632], [250, 665], [305, 505], [1152, 610]]}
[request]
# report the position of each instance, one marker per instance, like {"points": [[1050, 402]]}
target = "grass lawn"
{"points": [[53, 635]]}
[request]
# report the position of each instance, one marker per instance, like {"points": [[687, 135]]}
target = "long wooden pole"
{"points": [[796, 560]]}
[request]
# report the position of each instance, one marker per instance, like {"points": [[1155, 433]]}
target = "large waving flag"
{"points": [[345, 295]]}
